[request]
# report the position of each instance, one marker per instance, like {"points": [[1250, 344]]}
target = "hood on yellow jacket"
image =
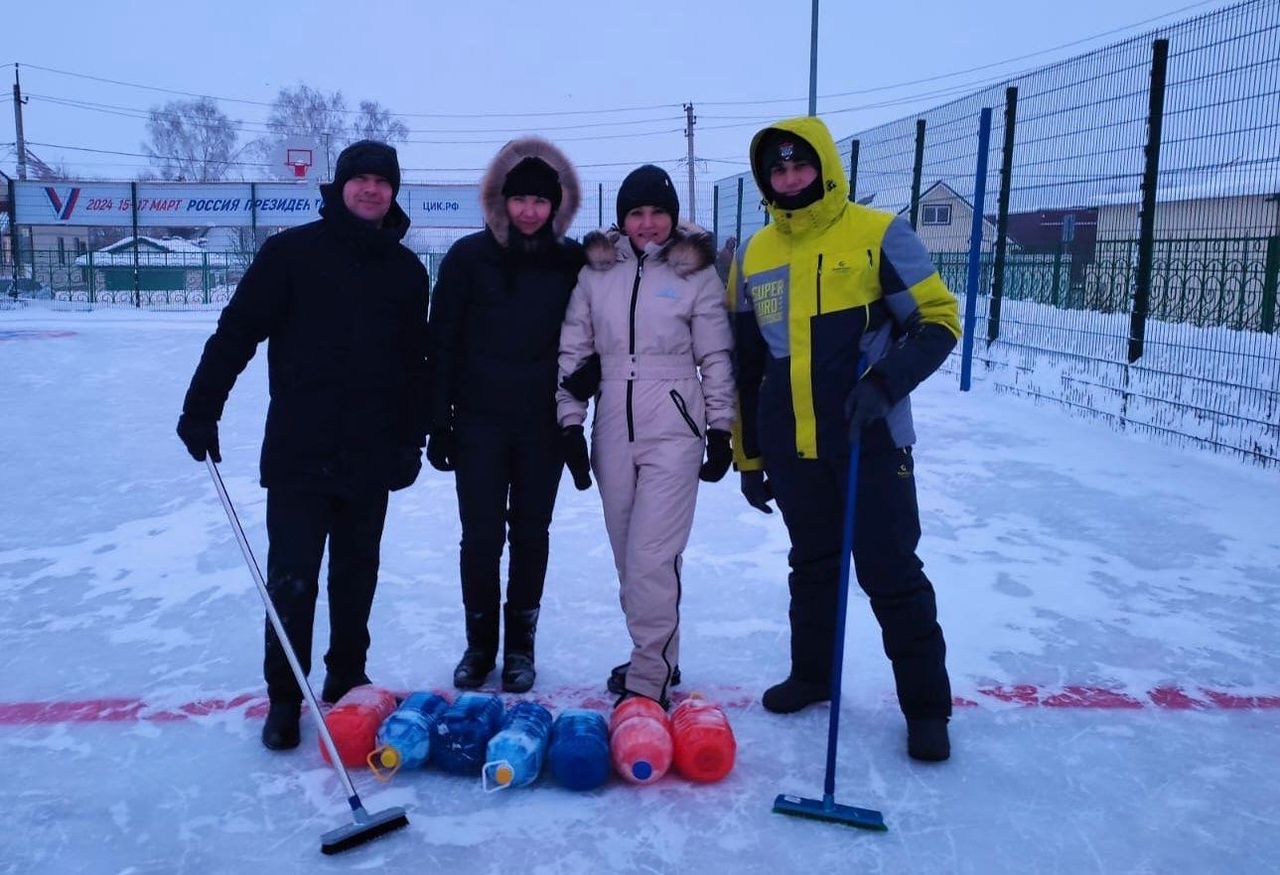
{"points": [[835, 183]]}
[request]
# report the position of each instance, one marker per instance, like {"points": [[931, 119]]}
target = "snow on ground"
{"points": [[1110, 604]]}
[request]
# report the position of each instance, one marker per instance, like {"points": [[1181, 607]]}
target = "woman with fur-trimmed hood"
{"points": [[495, 322], [650, 305]]}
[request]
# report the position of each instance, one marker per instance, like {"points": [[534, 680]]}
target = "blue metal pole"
{"points": [[842, 608], [975, 251]]}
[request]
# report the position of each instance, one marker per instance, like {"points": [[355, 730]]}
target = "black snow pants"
{"points": [[299, 522], [507, 473], [811, 496]]}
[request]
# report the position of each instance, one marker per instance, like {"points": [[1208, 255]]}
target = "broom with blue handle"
{"points": [[827, 808]]}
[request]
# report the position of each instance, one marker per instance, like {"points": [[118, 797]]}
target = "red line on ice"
{"points": [[253, 705]]}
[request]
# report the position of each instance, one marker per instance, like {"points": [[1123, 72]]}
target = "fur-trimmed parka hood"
{"points": [[495, 205], [688, 250]]}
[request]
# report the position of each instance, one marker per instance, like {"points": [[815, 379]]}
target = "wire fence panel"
{"points": [[1085, 282]]}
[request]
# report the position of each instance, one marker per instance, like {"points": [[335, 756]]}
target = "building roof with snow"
{"points": [[152, 252]]}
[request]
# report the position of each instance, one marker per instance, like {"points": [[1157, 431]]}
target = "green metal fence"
{"points": [[1228, 282], [1213, 281], [1043, 277], [158, 280]]}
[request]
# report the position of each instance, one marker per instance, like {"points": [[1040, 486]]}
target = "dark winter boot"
{"points": [[336, 686], [517, 648], [280, 732], [482, 650], [927, 739], [617, 683], [793, 694]]}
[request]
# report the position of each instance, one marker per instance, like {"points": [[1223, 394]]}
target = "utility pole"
{"points": [[21, 145], [813, 61], [690, 121]]}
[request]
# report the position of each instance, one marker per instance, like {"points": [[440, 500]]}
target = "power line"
{"points": [[465, 115], [226, 161], [749, 121], [909, 99], [672, 106], [231, 162], [265, 127], [955, 73]]}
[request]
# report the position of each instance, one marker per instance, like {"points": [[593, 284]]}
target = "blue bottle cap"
{"points": [[642, 770]]}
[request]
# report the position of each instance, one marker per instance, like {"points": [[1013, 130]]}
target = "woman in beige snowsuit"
{"points": [[650, 305]]}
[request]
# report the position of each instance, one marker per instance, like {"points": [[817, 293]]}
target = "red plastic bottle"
{"points": [[703, 740], [354, 723], [640, 740]]}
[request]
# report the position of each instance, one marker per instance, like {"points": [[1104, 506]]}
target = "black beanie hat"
{"points": [[776, 146], [536, 177], [779, 145], [368, 156], [648, 186]]}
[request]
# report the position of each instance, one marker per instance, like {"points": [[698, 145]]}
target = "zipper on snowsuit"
{"points": [[635, 295], [819, 283]]}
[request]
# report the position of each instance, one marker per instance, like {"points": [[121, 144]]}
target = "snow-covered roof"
{"points": [[152, 252], [1197, 186]]}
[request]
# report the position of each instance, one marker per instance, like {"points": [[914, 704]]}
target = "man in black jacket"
{"points": [[343, 307]]}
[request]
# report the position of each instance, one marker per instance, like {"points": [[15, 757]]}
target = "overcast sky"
{"points": [[583, 67]]}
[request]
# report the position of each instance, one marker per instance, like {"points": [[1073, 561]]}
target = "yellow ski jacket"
{"points": [[815, 289]]}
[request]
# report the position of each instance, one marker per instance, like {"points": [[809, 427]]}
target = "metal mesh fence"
{"points": [[1165, 326]]}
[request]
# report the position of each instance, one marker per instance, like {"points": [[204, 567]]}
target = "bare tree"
{"points": [[376, 122], [190, 140], [307, 112]]}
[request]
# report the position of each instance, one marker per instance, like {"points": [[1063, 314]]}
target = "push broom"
{"points": [[827, 808], [365, 826]]}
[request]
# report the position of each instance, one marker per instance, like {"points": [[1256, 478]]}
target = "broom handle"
{"points": [[837, 653], [282, 634]]}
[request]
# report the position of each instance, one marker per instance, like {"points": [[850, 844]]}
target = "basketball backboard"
{"points": [[295, 159]]}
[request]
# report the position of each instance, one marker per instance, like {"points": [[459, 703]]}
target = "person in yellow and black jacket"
{"points": [[826, 285]]}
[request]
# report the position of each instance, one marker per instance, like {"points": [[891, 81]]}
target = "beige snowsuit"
{"points": [[660, 326]]}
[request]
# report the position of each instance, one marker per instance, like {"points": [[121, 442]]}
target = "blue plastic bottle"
{"points": [[579, 752], [404, 738], [463, 732], [514, 757]]}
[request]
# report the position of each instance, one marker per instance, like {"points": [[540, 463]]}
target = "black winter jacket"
{"points": [[495, 326], [343, 307]]}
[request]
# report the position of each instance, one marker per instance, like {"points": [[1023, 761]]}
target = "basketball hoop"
{"points": [[299, 160]]}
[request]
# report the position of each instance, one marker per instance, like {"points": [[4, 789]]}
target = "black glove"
{"points": [[865, 404], [201, 438], [440, 449], [584, 383], [576, 459], [757, 490], [719, 456], [405, 467]]}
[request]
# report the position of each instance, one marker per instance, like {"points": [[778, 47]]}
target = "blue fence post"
{"points": [[975, 251]]}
